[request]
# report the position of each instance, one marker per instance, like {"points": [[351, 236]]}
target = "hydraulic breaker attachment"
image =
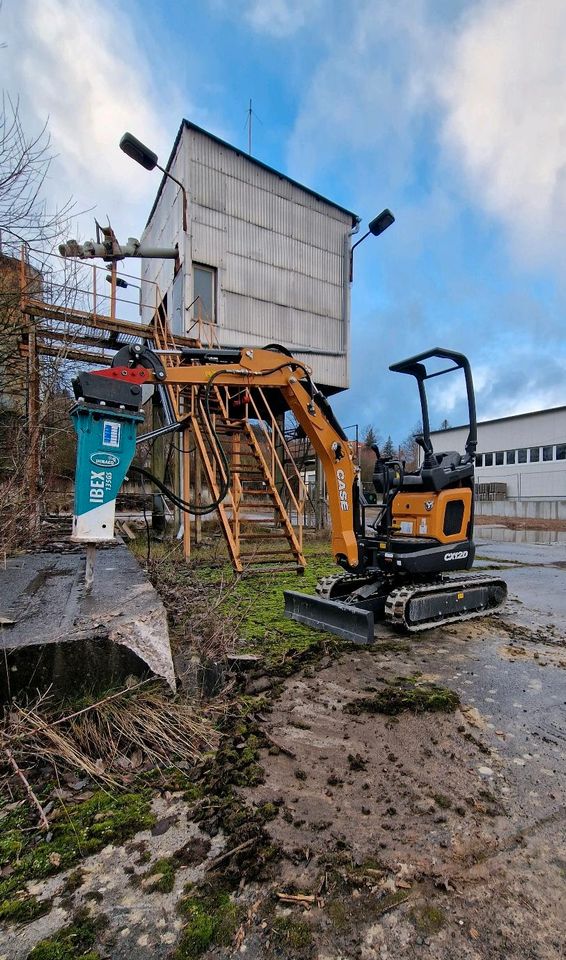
{"points": [[344, 620], [105, 418]]}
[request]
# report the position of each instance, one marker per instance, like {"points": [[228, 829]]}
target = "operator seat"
{"points": [[438, 471]]}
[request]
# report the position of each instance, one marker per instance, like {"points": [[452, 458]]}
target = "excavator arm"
{"points": [[108, 413]]}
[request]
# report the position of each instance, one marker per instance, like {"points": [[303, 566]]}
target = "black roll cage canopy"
{"points": [[415, 366]]}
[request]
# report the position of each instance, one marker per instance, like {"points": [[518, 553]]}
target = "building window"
{"points": [[547, 453], [204, 287], [534, 455], [479, 459], [488, 458], [561, 451], [510, 456], [522, 455], [499, 458]]}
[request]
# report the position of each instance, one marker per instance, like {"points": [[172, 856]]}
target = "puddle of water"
{"points": [[500, 534]]}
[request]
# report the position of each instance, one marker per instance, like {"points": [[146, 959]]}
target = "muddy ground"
{"points": [[437, 834]]}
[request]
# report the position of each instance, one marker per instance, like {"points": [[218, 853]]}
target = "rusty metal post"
{"points": [[198, 496], [185, 441], [33, 460]]}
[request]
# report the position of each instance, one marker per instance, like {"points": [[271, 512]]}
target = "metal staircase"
{"points": [[256, 525]]}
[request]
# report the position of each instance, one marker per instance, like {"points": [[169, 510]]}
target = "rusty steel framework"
{"points": [[77, 320]]}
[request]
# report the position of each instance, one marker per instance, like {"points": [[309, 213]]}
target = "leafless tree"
{"points": [[30, 223], [25, 215]]}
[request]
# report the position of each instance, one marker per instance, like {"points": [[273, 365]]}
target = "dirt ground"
{"points": [[431, 807], [438, 834]]}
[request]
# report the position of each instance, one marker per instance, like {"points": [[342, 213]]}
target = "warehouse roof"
{"points": [[258, 163], [514, 416]]}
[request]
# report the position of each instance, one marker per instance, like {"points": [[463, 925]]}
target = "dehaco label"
{"points": [[342, 491], [101, 459]]}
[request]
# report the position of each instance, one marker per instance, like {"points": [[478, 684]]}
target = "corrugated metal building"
{"points": [[525, 452], [267, 258]]}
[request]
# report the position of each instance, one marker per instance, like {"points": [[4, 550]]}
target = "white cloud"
{"points": [[280, 18], [275, 18], [79, 66], [504, 90], [365, 94]]}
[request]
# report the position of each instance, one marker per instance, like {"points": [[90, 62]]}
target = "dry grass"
{"points": [[196, 595], [129, 731]]}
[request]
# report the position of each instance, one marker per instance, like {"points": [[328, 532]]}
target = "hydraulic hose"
{"points": [[221, 458]]}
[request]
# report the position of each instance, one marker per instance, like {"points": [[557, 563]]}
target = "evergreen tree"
{"points": [[388, 450], [369, 436]]}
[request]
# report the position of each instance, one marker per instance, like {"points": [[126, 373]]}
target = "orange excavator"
{"points": [[405, 565]]}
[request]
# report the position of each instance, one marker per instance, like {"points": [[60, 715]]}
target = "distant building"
{"points": [[263, 260], [525, 453]]}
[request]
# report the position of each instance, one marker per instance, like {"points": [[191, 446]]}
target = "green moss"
{"points": [[166, 868], [442, 801], [390, 900], [339, 914], [294, 933], [268, 811], [74, 881], [406, 693], [72, 942], [429, 919], [23, 909], [212, 920], [82, 829], [266, 629]]}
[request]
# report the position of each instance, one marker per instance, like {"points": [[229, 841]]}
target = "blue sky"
{"points": [[450, 112]]}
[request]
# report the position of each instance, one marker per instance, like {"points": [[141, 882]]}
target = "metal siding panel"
{"points": [[279, 252]]}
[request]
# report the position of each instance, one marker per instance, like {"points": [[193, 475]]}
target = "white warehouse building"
{"points": [[524, 455], [263, 259]]}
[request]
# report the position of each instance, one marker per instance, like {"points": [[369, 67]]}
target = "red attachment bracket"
{"points": [[129, 374]]}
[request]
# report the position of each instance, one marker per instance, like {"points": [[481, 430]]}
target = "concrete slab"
{"points": [[534, 554], [44, 594]]}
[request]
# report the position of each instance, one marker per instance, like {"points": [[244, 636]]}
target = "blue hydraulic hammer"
{"points": [[106, 418]]}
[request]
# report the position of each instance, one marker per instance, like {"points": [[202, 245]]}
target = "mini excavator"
{"points": [[404, 566]]}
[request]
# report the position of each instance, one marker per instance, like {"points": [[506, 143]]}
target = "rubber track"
{"points": [[398, 600], [325, 585]]}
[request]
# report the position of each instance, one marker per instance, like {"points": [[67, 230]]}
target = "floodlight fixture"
{"points": [[376, 226], [147, 159]]}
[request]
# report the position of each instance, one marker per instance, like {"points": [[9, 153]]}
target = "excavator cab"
{"points": [[425, 519]]}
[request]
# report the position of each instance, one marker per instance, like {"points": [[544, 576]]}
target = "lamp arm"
{"points": [[184, 192]]}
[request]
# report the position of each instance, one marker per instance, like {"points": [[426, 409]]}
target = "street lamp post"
{"points": [[147, 159], [376, 226]]}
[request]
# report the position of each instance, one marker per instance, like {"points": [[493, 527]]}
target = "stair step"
{"points": [[255, 474], [257, 506], [263, 555], [261, 536]]}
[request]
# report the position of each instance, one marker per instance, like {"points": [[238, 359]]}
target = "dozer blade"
{"points": [[342, 619]]}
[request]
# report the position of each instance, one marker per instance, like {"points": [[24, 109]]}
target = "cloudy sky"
{"points": [[450, 112]]}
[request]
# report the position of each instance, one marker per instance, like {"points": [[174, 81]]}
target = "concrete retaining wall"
{"points": [[523, 509]]}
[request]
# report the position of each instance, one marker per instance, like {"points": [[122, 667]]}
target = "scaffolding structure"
{"points": [[79, 314]]}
